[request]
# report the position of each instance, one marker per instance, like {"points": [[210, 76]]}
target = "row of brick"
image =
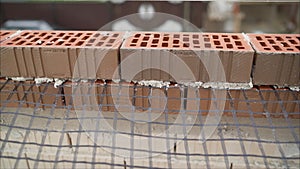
{"points": [[128, 97], [271, 59]]}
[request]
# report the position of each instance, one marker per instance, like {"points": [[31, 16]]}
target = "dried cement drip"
{"points": [[295, 88], [154, 83], [20, 79], [192, 84], [58, 82], [226, 85], [39, 81]]}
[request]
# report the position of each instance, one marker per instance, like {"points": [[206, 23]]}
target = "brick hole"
{"points": [[175, 46], [156, 35], [289, 37], [72, 40], [241, 47], [29, 37], [279, 38], [284, 44], [35, 33], [144, 44], [21, 42], [185, 39], [226, 40], [185, 35], [176, 41], [153, 45], [55, 39], [91, 40], [48, 44], [108, 45], [115, 35], [89, 33], [35, 39], [165, 38], [186, 45], [215, 37], [42, 34], [99, 44], [132, 44], [85, 37], [205, 35], [4, 33], [29, 43], [224, 35], [276, 47], [111, 41], [60, 43], [267, 49], [195, 41], [146, 38], [9, 43], [25, 34], [147, 34], [48, 37], [61, 34], [66, 37], [207, 45], [206, 39], [71, 33], [104, 38], [68, 44], [52, 33], [134, 40], [290, 49], [196, 46], [263, 44], [298, 47], [79, 43], [176, 36], [195, 36], [268, 36], [298, 37], [219, 47], [238, 43], [230, 46], [235, 37], [97, 35], [16, 39], [137, 35], [165, 44], [271, 41], [78, 34], [258, 38], [292, 41], [217, 42], [155, 41]]}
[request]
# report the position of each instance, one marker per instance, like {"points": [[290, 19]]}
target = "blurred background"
{"points": [[214, 16]]}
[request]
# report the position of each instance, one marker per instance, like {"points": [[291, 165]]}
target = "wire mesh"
{"points": [[40, 129]]}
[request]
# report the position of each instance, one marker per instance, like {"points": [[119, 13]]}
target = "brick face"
{"points": [[277, 59], [170, 51]]}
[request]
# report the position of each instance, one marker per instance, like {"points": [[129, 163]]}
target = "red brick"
{"points": [[156, 49], [53, 54], [277, 59]]}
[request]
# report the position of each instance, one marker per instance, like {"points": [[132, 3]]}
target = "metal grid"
{"points": [[50, 136]]}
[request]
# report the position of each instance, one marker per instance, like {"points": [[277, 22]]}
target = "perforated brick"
{"points": [[158, 49], [54, 53], [277, 59]]}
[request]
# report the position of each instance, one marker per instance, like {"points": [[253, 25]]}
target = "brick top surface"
{"points": [[66, 39], [5, 34], [275, 43], [187, 41]]}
